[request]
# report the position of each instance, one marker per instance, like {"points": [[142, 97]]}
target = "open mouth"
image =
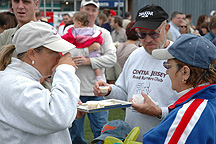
{"points": [[21, 13], [150, 45]]}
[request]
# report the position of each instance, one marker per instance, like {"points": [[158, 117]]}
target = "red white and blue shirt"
{"points": [[191, 119]]}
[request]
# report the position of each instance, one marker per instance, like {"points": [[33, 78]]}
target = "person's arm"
{"points": [[46, 112], [108, 57], [40, 111], [5, 38], [117, 91], [94, 46]]}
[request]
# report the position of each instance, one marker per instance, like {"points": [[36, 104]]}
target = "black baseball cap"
{"points": [[150, 17]]}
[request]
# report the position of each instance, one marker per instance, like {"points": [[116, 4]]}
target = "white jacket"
{"points": [[31, 114]]}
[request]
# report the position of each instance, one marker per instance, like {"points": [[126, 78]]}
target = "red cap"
{"points": [[113, 13]]}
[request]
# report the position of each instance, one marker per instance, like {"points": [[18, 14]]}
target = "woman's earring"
{"points": [[33, 62], [184, 80]]}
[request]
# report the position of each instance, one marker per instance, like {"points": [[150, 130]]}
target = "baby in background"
{"points": [[82, 36]]}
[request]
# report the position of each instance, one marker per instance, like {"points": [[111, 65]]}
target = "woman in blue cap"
{"points": [[191, 119]]}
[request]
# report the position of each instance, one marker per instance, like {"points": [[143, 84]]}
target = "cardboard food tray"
{"points": [[115, 104]]}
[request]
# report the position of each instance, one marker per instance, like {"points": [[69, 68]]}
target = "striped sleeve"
{"points": [[185, 121]]}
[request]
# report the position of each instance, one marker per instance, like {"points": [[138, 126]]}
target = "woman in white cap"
{"points": [[29, 113], [191, 119]]}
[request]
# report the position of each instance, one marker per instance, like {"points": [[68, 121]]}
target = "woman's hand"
{"points": [[80, 114], [43, 79], [65, 59]]}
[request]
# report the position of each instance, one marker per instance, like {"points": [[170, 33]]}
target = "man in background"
{"points": [[24, 12], [87, 76], [175, 23], [118, 36], [66, 18]]}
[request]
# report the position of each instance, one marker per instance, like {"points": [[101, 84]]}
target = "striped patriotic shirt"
{"points": [[191, 120]]}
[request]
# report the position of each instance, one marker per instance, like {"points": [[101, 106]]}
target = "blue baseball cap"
{"points": [[191, 49], [116, 128]]}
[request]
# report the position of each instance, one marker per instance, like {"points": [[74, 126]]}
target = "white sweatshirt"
{"points": [[142, 72], [31, 114]]}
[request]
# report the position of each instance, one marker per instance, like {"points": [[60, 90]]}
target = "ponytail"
{"points": [[5, 56]]}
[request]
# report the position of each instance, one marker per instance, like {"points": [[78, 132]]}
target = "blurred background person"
{"points": [[183, 27], [66, 18], [103, 22], [10, 6], [214, 41], [108, 14], [190, 29], [7, 20], [118, 36], [212, 13], [205, 27], [190, 19], [201, 19], [212, 27], [127, 19], [125, 49], [68, 23], [175, 23], [38, 14]]}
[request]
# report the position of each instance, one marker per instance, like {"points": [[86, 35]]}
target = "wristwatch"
{"points": [[159, 116]]}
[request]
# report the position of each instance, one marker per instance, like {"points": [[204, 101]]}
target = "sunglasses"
{"points": [[152, 34], [183, 26], [166, 65]]}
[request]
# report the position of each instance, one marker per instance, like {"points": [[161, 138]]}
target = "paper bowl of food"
{"points": [[104, 89], [138, 98], [92, 104]]}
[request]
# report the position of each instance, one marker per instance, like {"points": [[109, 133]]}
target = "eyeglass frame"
{"points": [[167, 65], [151, 35]]}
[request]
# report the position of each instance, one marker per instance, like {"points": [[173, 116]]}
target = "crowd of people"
{"points": [[46, 72]]}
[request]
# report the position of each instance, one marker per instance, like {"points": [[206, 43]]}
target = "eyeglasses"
{"points": [[153, 34], [183, 26], [166, 65]]}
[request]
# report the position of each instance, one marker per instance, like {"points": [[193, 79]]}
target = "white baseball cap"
{"points": [[87, 2], [35, 34], [212, 12]]}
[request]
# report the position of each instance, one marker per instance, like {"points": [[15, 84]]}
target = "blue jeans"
{"points": [[97, 121]]}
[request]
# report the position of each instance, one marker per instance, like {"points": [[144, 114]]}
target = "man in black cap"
{"points": [[144, 74]]}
